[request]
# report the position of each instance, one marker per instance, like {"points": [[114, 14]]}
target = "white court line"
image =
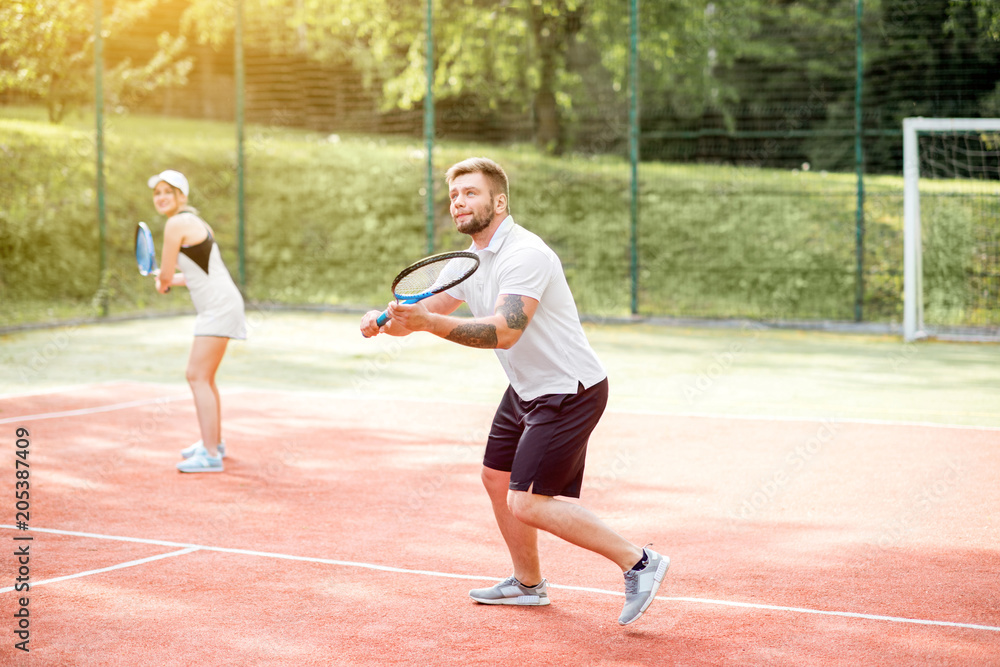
{"points": [[107, 408], [847, 614], [95, 410], [63, 389], [87, 573], [187, 548]]}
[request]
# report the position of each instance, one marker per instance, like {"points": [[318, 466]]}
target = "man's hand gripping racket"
{"points": [[431, 276]]}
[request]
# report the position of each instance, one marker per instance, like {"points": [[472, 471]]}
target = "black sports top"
{"points": [[200, 252]]}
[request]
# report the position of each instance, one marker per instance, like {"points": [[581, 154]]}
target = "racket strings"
{"points": [[145, 255], [434, 276]]}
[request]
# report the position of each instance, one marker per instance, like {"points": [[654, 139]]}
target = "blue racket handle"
{"points": [[384, 317]]}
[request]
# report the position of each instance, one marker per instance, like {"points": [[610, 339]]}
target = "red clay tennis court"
{"points": [[347, 531]]}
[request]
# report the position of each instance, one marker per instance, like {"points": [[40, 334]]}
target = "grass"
{"points": [[330, 219], [752, 371]]}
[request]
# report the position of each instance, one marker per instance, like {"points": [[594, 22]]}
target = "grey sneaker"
{"points": [[201, 462], [191, 450], [512, 591], [641, 586]]}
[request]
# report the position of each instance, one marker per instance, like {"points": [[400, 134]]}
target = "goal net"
{"points": [[951, 228]]}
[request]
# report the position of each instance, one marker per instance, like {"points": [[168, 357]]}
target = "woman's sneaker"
{"points": [[200, 461], [512, 591], [190, 451]]}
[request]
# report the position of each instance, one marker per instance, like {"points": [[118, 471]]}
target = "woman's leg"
{"points": [[206, 355]]}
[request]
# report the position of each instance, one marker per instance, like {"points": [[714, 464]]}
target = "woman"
{"points": [[188, 244]]}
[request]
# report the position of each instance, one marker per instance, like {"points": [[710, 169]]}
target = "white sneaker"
{"points": [[191, 450], [641, 586], [512, 591], [200, 461]]}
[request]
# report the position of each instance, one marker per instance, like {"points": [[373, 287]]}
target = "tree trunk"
{"points": [[548, 125], [552, 34]]}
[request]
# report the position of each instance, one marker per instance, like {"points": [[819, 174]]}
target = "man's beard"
{"points": [[480, 220]]}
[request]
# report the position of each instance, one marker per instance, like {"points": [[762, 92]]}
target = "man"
{"points": [[536, 450]]}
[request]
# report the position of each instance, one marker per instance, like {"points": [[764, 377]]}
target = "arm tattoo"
{"points": [[513, 311], [474, 335]]}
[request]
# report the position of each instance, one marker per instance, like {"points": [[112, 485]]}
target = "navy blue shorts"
{"points": [[542, 443]]}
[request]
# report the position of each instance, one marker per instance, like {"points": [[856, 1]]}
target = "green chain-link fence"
{"points": [[693, 159]]}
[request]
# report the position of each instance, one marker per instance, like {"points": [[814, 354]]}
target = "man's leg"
{"points": [[521, 538], [644, 570], [573, 523]]}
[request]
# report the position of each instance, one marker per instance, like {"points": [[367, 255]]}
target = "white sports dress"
{"points": [[216, 298]]}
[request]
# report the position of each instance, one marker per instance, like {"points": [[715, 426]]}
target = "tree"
{"points": [[48, 52], [487, 55], [785, 70], [536, 58]]}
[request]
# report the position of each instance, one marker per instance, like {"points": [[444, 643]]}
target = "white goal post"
{"points": [[913, 306]]}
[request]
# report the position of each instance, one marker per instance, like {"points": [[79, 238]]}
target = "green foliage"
{"points": [[538, 58], [560, 68], [949, 253], [50, 47], [770, 245], [48, 185], [331, 222], [331, 219]]}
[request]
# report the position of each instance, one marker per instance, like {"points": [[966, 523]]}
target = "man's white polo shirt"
{"points": [[553, 354]]}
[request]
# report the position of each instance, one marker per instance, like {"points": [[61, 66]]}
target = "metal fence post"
{"points": [[859, 167], [99, 141], [633, 142], [240, 194], [429, 126]]}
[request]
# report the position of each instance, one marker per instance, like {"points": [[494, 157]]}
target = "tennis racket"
{"points": [[145, 252], [430, 276]]}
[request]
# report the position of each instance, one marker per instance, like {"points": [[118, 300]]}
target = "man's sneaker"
{"points": [[191, 450], [512, 591], [200, 461], [641, 586]]}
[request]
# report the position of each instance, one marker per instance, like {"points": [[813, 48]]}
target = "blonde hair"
{"points": [[494, 173]]}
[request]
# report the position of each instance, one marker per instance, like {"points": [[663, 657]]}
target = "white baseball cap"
{"points": [[171, 177]]}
